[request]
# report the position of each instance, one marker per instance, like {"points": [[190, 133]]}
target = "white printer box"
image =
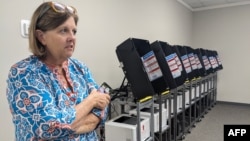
{"points": [[124, 128], [179, 103], [187, 99], [146, 112]]}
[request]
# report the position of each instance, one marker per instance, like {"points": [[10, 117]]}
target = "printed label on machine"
{"points": [[151, 66], [213, 62], [186, 63], [171, 61], [198, 63], [192, 61], [218, 59], [178, 62], [206, 62]]}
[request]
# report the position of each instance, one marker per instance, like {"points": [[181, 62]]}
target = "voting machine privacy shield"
{"points": [[169, 63], [185, 61], [141, 68], [193, 61], [199, 55], [220, 67], [180, 63]]}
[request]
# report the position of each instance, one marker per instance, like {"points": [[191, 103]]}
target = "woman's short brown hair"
{"points": [[46, 18]]}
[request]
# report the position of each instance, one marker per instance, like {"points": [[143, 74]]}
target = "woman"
{"points": [[51, 95]]}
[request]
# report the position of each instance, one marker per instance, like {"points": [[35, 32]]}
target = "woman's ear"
{"points": [[40, 36]]}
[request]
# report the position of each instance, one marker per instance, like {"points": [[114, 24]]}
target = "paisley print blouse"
{"points": [[41, 105]]}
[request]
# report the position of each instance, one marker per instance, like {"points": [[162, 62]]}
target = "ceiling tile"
{"points": [[197, 5], [212, 2]]}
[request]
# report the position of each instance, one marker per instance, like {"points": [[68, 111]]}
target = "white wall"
{"points": [[102, 26], [227, 30]]}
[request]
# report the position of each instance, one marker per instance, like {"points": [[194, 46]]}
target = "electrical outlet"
{"points": [[25, 28]]}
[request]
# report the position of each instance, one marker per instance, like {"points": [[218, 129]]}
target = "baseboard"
{"points": [[233, 103]]}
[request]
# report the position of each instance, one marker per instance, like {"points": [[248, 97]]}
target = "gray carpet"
{"points": [[211, 127]]}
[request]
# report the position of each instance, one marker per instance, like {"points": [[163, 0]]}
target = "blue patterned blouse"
{"points": [[42, 108]]}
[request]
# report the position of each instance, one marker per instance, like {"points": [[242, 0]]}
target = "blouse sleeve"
{"points": [[34, 107], [93, 85]]}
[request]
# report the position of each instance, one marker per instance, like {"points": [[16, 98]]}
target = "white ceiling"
{"points": [[198, 5]]}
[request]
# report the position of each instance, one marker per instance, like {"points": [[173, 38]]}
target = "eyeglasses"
{"points": [[59, 8]]}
